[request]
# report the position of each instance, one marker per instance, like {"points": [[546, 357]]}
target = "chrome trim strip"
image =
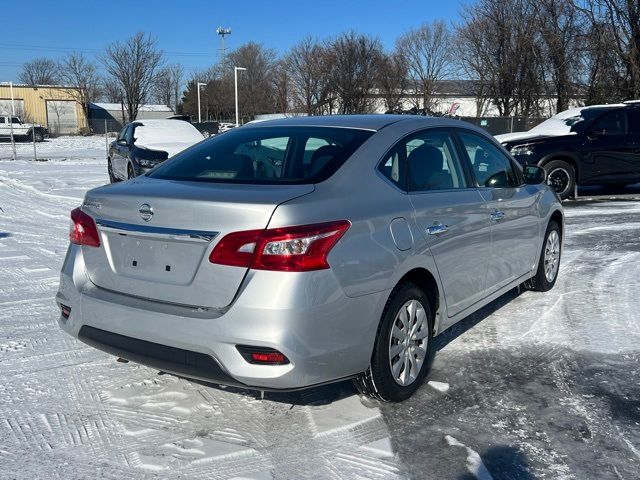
{"points": [[156, 232]]}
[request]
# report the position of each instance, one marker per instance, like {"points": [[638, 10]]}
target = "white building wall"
{"points": [[467, 106]]}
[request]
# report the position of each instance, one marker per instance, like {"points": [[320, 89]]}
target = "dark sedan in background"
{"points": [[581, 146], [143, 144]]}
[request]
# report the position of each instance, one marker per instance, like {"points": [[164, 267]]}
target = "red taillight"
{"points": [[83, 230], [292, 249], [236, 249]]}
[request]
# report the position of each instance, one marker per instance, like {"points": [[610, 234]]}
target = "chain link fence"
{"points": [[104, 131], [500, 125]]}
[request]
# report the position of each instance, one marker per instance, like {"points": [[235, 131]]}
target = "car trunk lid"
{"points": [[156, 236]]}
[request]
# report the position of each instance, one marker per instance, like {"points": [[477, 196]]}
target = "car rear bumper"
{"points": [[325, 335]]}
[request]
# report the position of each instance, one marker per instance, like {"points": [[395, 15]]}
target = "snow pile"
{"points": [[171, 136], [153, 132]]}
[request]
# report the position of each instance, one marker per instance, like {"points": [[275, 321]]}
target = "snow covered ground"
{"points": [[533, 386]]}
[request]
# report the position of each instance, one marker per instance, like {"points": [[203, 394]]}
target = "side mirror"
{"points": [[534, 175], [122, 142]]}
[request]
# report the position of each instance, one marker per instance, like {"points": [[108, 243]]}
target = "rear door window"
{"points": [[432, 162], [424, 161], [266, 155]]}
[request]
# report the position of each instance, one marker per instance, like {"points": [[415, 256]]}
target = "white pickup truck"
{"points": [[21, 131]]}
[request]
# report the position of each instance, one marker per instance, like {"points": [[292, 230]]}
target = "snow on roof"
{"points": [[562, 123], [141, 108]]}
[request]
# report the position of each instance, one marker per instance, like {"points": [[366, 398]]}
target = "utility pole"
{"points": [[235, 75], [200, 84], [222, 31]]}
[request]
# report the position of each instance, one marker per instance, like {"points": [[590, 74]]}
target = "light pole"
{"points": [[13, 112], [235, 74], [199, 115]]}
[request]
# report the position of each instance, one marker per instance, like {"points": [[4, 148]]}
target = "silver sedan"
{"points": [[374, 234]]}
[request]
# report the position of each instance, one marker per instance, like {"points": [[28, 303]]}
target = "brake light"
{"points": [[236, 249], [83, 230], [291, 249]]}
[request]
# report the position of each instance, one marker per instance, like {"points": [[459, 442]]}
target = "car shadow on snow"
{"points": [[449, 335]]}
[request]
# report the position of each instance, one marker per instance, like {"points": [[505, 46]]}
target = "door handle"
{"points": [[496, 215], [437, 229]]}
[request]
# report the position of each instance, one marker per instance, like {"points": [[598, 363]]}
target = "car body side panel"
{"points": [[462, 253], [515, 237]]}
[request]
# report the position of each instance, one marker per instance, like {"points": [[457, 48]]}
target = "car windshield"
{"points": [[267, 155], [569, 122]]}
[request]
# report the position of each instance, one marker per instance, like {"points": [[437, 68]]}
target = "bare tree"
{"points": [[216, 96], [308, 66], [496, 46], [132, 65], [111, 91], [617, 22], [281, 86], [166, 85], [604, 76], [40, 71], [255, 87], [77, 71], [354, 59], [428, 55], [561, 32], [391, 79]]}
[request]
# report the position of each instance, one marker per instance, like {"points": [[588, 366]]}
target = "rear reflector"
{"points": [[293, 249], [83, 230], [262, 355], [66, 311]]}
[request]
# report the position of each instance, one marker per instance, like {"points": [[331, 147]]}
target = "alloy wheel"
{"points": [[408, 342], [559, 179], [552, 256]]}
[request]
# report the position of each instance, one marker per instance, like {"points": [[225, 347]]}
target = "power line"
{"points": [[49, 48]]}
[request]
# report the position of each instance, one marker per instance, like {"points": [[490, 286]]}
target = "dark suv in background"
{"points": [[581, 146]]}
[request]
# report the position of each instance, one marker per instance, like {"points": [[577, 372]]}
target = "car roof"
{"points": [[158, 121], [364, 122]]}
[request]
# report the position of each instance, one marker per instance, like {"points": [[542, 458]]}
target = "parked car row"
{"points": [[295, 252], [590, 145]]}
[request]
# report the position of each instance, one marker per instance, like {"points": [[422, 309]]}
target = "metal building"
{"points": [[53, 106]]}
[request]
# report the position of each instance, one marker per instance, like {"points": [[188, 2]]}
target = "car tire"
{"points": [[561, 176], [38, 136], [112, 177], [381, 380], [549, 261], [130, 172]]}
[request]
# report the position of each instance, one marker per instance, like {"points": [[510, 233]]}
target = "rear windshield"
{"points": [[265, 155]]}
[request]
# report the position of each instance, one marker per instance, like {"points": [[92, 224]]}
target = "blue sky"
{"points": [[186, 30]]}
